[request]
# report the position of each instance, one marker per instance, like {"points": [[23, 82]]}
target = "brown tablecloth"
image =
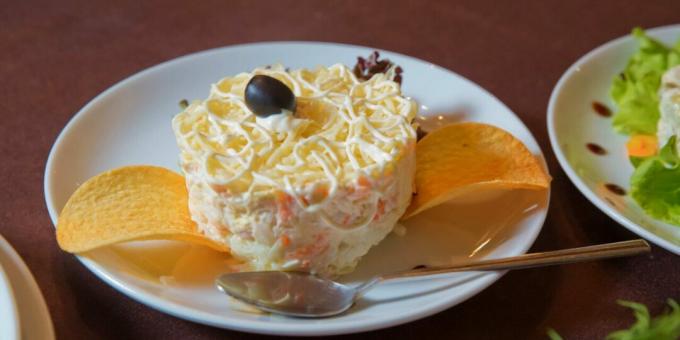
{"points": [[57, 55]]}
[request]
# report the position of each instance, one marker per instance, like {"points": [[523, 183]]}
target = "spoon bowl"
{"points": [[296, 294]]}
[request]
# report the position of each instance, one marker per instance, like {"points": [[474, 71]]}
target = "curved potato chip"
{"points": [[460, 158], [127, 204]]}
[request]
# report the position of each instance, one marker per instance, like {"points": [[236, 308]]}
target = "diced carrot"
{"points": [[642, 146], [280, 196], [320, 245], [320, 192], [364, 182], [285, 240], [380, 211], [283, 204], [221, 189]]}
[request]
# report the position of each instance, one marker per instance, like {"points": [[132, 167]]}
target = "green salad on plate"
{"points": [[647, 98]]}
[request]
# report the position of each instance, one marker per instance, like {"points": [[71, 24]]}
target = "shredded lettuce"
{"points": [[663, 327], [635, 90], [655, 184], [553, 335]]}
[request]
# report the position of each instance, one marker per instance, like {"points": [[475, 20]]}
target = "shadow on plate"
{"points": [[462, 230]]}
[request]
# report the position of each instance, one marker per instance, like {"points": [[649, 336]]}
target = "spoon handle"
{"points": [[565, 256]]}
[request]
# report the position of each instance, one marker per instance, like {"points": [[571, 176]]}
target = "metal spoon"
{"points": [[305, 295]]}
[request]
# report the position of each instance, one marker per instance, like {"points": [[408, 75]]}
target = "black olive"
{"points": [[266, 96]]}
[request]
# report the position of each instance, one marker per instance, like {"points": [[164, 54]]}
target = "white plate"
{"points": [[9, 315], [572, 123], [130, 124], [31, 308]]}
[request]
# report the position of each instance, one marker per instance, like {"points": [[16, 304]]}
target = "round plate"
{"points": [[31, 309], [130, 124], [572, 123], [9, 322]]}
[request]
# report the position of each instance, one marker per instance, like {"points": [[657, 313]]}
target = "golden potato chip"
{"points": [[127, 204], [457, 159]]}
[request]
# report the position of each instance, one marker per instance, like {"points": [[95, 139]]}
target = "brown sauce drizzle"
{"points": [[615, 189], [602, 109], [596, 149]]}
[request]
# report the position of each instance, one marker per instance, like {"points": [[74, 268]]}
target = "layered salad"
{"points": [[299, 169]]}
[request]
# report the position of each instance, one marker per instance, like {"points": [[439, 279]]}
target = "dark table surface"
{"points": [[57, 55]]}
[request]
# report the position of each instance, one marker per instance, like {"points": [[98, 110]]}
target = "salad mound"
{"points": [[655, 183]]}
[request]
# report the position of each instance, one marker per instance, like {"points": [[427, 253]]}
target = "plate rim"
{"points": [[253, 326], [564, 162], [29, 289], [6, 287]]}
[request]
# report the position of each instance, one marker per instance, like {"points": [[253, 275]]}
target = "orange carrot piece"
{"points": [[380, 211], [285, 240], [283, 204], [642, 146], [364, 182]]}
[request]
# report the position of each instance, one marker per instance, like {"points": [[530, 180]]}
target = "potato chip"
{"points": [[461, 158], [127, 204]]}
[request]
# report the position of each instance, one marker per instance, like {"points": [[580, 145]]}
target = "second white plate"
{"points": [[573, 124], [32, 315], [9, 314]]}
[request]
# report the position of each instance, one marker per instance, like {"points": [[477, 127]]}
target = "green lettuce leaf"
{"points": [[655, 184], [553, 335], [635, 90], [636, 161], [663, 327]]}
